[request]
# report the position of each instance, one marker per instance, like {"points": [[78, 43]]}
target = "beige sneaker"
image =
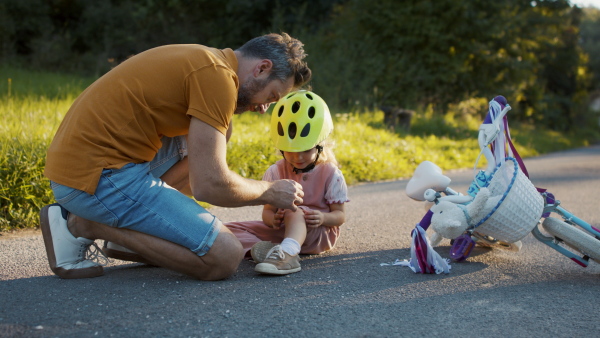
{"points": [[278, 263], [260, 251]]}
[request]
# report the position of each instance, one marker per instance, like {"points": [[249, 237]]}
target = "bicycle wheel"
{"points": [[574, 237]]}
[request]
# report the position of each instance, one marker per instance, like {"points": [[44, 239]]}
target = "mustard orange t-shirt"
{"points": [[121, 117]]}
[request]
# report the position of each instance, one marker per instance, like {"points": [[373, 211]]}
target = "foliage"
{"points": [[421, 55], [365, 148], [373, 153], [250, 151], [437, 53], [92, 36], [20, 83], [23, 189], [590, 42], [32, 105]]}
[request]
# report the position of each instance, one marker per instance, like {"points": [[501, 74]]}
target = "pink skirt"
{"points": [[317, 240]]}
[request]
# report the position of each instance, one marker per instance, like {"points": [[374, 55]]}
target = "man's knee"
{"points": [[223, 258]]}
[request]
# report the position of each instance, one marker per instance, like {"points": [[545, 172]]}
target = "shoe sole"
{"points": [[260, 250], [61, 272], [270, 269], [125, 256]]}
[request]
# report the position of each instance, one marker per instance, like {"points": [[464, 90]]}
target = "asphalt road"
{"points": [[535, 292]]}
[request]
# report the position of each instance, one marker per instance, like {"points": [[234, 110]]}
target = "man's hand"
{"points": [[287, 194], [313, 218]]}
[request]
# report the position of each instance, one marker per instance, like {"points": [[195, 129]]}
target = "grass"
{"points": [[32, 105]]}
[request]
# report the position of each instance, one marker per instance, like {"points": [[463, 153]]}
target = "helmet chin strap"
{"points": [[310, 166]]}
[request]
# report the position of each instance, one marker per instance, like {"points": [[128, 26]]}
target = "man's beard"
{"points": [[246, 93]]}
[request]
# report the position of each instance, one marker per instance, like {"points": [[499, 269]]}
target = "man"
{"points": [[148, 133]]}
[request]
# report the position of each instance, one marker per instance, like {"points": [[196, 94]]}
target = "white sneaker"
{"points": [[69, 257]]}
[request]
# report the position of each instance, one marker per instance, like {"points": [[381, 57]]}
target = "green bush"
{"points": [[23, 189], [32, 105]]}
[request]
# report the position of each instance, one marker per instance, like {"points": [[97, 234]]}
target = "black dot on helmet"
{"points": [[311, 112], [280, 112], [296, 107], [305, 130], [279, 129], [309, 96], [292, 129]]}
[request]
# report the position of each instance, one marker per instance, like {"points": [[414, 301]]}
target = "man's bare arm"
{"points": [[211, 180]]}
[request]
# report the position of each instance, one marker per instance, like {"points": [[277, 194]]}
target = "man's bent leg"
{"points": [[170, 165], [130, 198], [178, 177], [221, 261]]}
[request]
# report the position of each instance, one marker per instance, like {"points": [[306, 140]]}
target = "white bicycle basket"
{"points": [[519, 209]]}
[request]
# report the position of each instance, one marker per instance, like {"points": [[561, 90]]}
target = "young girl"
{"points": [[299, 126]]}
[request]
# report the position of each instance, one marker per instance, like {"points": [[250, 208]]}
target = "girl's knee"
{"points": [[289, 214]]}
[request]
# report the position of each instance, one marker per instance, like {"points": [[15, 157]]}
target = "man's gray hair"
{"points": [[285, 52]]}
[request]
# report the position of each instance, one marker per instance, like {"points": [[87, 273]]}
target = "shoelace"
{"points": [[93, 253], [275, 253]]}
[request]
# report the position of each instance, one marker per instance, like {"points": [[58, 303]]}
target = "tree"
{"points": [[412, 54], [425, 52], [590, 43]]}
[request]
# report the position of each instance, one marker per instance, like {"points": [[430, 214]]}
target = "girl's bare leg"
{"points": [[287, 259], [295, 226]]}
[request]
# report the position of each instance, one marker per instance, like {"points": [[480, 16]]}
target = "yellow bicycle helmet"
{"points": [[300, 121]]}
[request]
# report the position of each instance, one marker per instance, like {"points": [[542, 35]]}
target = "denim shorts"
{"points": [[133, 197]]}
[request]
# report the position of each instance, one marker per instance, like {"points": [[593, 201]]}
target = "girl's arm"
{"points": [[334, 218], [272, 216]]}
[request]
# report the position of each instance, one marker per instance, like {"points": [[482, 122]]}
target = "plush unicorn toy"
{"points": [[450, 220]]}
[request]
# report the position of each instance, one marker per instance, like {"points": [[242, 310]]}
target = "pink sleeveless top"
{"points": [[322, 186]]}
